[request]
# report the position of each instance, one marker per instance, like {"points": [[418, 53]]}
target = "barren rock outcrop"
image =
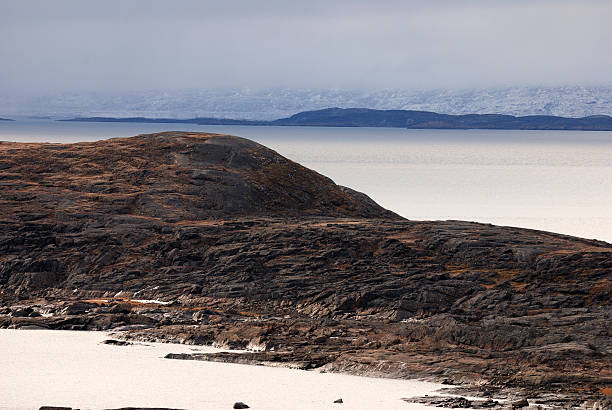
{"points": [[211, 239]]}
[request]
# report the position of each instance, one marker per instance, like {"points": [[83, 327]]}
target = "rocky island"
{"points": [[410, 119], [217, 240]]}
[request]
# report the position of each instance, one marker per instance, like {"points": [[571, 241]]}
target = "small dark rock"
{"points": [[121, 308], [54, 408], [488, 404], [240, 405], [22, 312], [116, 342], [520, 404], [445, 402], [458, 402], [338, 401], [77, 308]]}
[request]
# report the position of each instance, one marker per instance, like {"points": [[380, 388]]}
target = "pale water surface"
{"points": [[559, 181], [68, 368]]}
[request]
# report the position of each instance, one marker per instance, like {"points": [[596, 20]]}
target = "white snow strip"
{"points": [[150, 301]]}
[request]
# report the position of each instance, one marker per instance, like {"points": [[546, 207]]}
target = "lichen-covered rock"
{"points": [[172, 176]]}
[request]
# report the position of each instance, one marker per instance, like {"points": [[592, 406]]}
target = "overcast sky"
{"points": [[81, 45]]}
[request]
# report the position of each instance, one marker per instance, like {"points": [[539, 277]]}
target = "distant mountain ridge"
{"points": [[364, 117], [273, 103]]}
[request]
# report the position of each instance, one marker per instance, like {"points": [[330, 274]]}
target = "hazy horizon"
{"points": [[278, 102]]}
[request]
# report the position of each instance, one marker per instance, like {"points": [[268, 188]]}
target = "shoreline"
{"points": [[431, 392], [88, 348], [184, 343]]}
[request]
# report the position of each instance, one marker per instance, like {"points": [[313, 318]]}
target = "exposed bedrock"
{"points": [[210, 239]]}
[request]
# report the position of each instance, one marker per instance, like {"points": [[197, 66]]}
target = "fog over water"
{"points": [[559, 181]]}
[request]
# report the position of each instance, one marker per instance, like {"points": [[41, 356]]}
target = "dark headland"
{"points": [[363, 117], [252, 250], [6, 119]]}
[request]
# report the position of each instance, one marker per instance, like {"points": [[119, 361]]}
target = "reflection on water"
{"points": [[559, 181]]}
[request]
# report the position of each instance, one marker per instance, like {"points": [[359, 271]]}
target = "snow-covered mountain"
{"points": [[268, 104]]}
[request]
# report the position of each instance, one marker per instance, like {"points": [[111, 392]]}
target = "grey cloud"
{"points": [[67, 45]]}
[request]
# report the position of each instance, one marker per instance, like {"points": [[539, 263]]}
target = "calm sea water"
{"points": [[559, 181], [70, 368]]}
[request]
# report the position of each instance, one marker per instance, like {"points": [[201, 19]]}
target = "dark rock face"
{"points": [[248, 250]]}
